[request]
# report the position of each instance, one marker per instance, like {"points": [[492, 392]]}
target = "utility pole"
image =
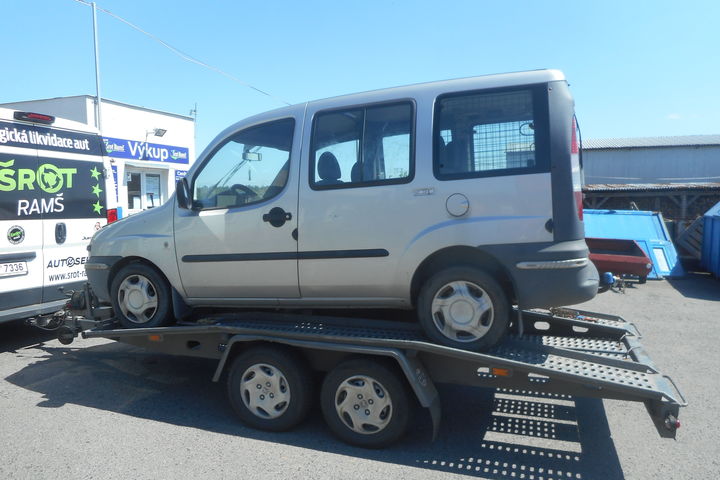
{"points": [[193, 113], [98, 99]]}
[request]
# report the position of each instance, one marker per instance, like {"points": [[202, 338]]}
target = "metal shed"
{"points": [[711, 241]]}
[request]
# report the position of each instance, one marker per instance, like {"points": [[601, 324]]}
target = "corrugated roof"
{"points": [[651, 142], [649, 187]]}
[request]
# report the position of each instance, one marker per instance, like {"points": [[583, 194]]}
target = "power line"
{"points": [[185, 56]]}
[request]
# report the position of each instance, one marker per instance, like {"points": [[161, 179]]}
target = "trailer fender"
{"points": [[415, 373]]}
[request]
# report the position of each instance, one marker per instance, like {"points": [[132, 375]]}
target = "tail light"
{"points": [[34, 117], [573, 139], [112, 215], [575, 161], [579, 204]]}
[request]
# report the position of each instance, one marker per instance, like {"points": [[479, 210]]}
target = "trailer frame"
{"points": [[558, 352]]}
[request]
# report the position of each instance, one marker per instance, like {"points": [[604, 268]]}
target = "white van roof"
{"points": [[7, 115]]}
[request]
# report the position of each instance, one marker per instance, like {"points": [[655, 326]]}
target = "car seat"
{"points": [[328, 170]]}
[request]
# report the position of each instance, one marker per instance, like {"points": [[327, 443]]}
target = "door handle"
{"points": [[277, 217], [60, 233]]}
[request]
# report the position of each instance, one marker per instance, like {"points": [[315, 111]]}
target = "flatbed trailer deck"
{"points": [[563, 351]]}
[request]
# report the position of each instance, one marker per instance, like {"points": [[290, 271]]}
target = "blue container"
{"points": [[646, 228], [711, 241]]}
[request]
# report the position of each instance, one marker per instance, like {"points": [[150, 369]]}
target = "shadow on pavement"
{"points": [[697, 285], [488, 434], [16, 334]]}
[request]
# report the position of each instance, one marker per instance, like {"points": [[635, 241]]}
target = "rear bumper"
{"points": [[26, 311], [549, 274]]}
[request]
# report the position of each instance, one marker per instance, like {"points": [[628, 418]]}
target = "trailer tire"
{"points": [[642, 279], [270, 388], [463, 307], [141, 297], [365, 403]]}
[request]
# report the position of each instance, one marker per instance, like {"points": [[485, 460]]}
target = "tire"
{"points": [[642, 279], [365, 404], [463, 307], [140, 297], [270, 388]]}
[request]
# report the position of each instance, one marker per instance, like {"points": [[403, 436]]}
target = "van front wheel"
{"points": [[463, 307], [140, 297]]}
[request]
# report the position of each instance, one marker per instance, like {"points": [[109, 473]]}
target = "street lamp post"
{"points": [[98, 99]]}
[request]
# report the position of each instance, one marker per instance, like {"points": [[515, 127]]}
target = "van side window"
{"points": [[362, 146], [485, 134], [250, 167]]}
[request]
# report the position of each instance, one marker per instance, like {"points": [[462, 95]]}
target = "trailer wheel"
{"points": [[140, 297], [270, 388], [365, 404], [463, 307], [642, 279]]}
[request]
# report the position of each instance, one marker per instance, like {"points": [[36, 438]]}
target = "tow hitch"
{"points": [[81, 312]]}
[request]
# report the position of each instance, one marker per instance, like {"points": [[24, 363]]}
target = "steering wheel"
{"points": [[242, 190]]}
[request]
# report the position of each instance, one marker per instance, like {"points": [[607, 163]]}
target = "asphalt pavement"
{"points": [[106, 410]]}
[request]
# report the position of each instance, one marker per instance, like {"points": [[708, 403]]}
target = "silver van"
{"points": [[456, 199]]}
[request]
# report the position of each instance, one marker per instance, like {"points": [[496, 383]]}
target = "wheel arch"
{"points": [[462, 255], [180, 308]]}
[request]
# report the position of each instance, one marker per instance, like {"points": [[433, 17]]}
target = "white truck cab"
{"points": [[457, 199], [52, 200]]}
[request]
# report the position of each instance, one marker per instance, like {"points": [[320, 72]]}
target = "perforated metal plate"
{"points": [[595, 346], [590, 370]]}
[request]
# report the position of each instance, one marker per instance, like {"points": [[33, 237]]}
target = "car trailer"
{"points": [[374, 366]]}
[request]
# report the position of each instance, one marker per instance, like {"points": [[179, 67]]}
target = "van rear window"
{"points": [[486, 134]]}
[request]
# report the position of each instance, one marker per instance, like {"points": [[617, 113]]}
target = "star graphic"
{"points": [[97, 207], [96, 190], [94, 173]]}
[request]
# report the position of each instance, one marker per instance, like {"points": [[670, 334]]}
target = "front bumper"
{"points": [[98, 275]]}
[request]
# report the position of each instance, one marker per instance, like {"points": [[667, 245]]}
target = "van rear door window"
{"points": [[487, 134]]}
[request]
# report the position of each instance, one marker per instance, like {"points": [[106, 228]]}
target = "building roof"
{"points": [[650, 187], [651, 142]]}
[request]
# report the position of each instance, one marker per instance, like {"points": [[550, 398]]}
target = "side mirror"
{"points": [[182, 192]]}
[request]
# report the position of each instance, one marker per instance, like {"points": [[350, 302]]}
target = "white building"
{"points": [[148, 149]]}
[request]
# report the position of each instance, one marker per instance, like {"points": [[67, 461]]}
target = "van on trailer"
{"points": [[53, 190], [456, 198]]}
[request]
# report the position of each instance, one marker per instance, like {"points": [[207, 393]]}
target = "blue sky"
{"points": [[636, 68]]}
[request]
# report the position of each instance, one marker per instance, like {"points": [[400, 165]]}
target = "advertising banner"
{"points": [[43, 138], [135, 150], [35, 187]]}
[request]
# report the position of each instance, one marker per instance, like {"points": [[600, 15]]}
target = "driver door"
{"points": [[237, 242]]}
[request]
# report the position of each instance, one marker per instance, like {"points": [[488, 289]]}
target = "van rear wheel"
{"points": [[140, 297], [463, 307]]}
